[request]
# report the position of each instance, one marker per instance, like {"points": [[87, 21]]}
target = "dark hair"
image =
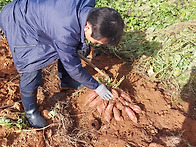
{"points": [[106, 22]]}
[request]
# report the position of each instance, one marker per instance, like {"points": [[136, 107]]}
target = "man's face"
{"points": [[88, 34]]}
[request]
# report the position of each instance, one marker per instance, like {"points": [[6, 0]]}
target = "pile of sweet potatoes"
{"points": [[121, 101]]}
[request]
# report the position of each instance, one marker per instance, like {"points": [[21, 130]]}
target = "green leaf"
{"points": [[52, 113], [180, 100]]}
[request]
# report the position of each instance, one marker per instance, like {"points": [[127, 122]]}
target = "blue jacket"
{"points": [[41, 31]]}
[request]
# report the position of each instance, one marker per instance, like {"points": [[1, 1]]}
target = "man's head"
{"points": [[104, 26]]}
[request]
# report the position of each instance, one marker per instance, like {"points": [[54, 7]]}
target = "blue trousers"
{"points": [[31, 80], [28, 89]]}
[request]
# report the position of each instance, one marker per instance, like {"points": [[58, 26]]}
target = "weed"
{"points": [[5, 122], [53, 112], [111, 83], [19, 123], [76, 94]]}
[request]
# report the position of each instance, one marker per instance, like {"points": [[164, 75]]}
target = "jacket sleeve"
{"points": [[72, 64]]}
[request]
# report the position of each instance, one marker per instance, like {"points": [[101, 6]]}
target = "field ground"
{"points": [[161, 123]]}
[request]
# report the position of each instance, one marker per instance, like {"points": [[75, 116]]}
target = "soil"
{"points": [[163, 122]]}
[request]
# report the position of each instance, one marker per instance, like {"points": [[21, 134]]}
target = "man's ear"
{"points": [[88, 29]]}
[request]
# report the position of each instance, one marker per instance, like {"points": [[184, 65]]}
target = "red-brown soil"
{"points": [[161, 123]]}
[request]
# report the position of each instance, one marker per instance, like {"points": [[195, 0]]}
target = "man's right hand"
{"points": [[103, 92]]}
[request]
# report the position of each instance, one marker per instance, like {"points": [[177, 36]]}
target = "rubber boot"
{"points": [[29, 100]]}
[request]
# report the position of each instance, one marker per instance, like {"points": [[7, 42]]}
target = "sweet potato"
{"points": [[95, 102], [137, 109], [105, 103], [115, 94], [108, 111], [126, 96], [124, 102], [119, 105], [101, 107], [117, 115], [131, 114], [91, 97]]}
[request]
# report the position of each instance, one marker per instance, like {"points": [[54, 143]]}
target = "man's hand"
{"points": [[85, 52], [103, 92]]}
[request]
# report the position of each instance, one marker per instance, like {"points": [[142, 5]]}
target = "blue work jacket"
{"points": [[41, 31]]}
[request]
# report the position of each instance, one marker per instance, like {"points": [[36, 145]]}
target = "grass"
{"points": [[159, 40], [173, 62]]}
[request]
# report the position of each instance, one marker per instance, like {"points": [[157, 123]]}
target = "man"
{"points": [[40, 32]]}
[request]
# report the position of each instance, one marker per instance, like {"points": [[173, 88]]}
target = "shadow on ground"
{"points": [[188, 94]]}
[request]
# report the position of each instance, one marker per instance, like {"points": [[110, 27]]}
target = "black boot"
{"points": [[29, 100]]}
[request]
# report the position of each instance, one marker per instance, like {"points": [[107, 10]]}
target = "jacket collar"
{"points": [[82, 18]]}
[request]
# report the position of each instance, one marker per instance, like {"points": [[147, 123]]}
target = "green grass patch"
{"points": [[175, 59], [152, 14], [159, 39]]}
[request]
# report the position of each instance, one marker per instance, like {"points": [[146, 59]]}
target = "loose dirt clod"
{"points": [[6, 61]]}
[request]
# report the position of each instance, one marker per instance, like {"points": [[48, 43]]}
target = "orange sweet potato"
{"points": [[117, 115], [95, 102], [91, 97], [126, 96], [124, 102], [137, 109], [131, 114], [101, 107], [119, 105], [105, 103], [115, 94], [108, 111]]}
